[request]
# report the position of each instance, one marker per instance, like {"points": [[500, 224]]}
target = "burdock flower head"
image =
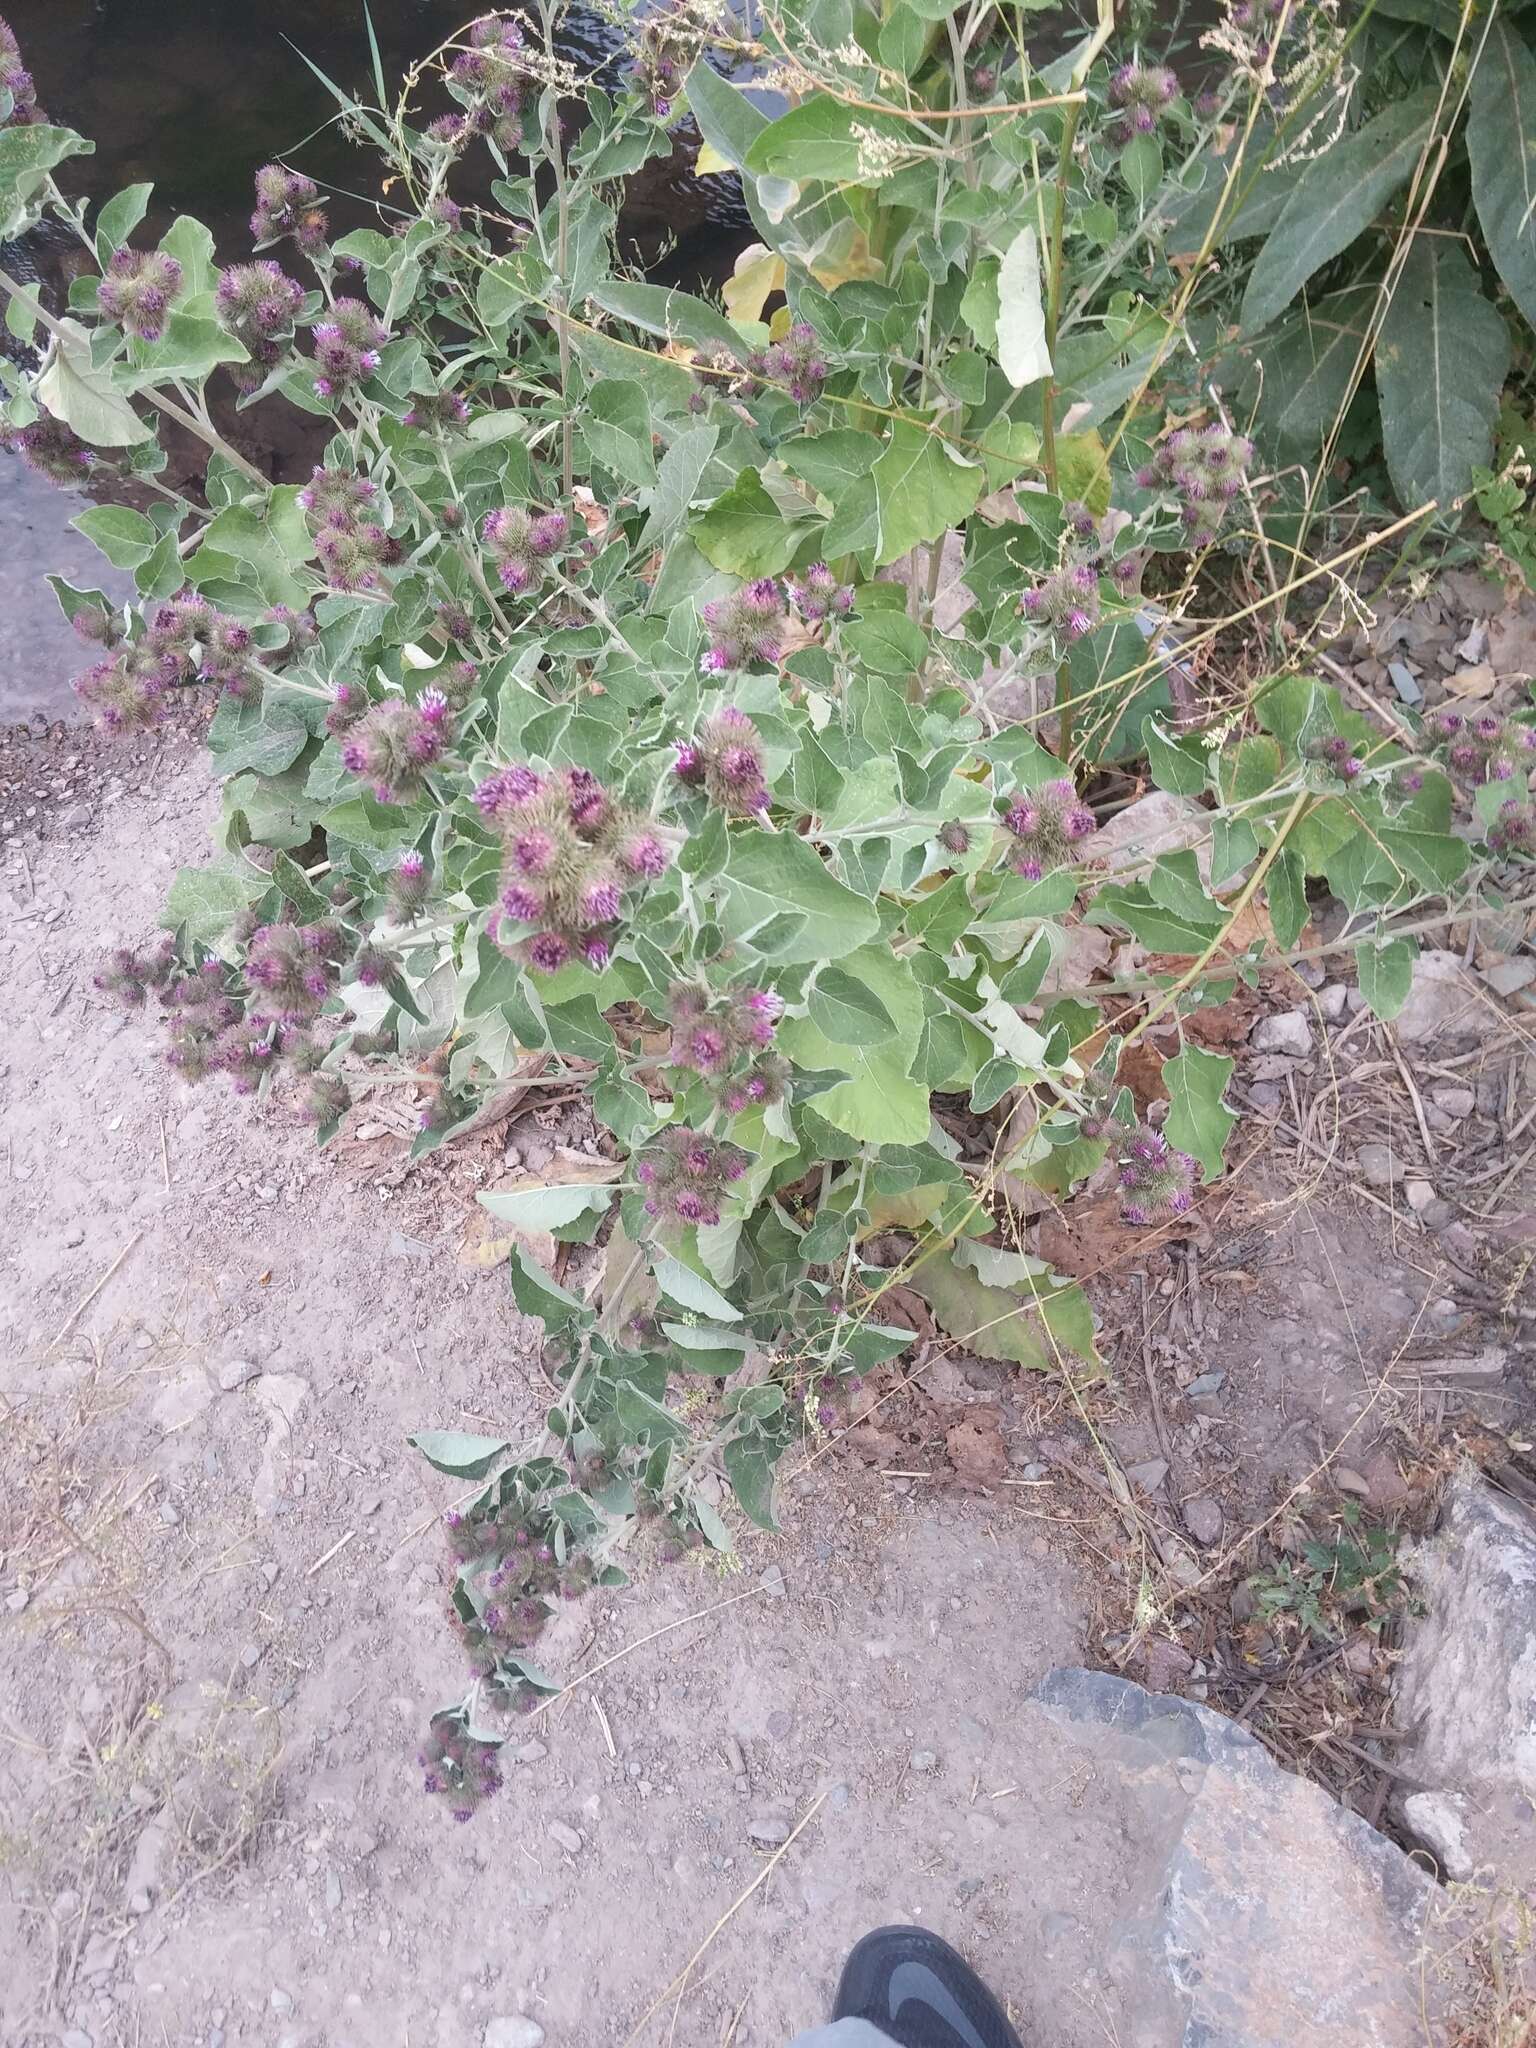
{"points": [[745, 627], [1335, 756], [444, 412], [726, 761], [1143, 92], [1513, 830], [1048, 825], [257, 303], [347, 347], [686, 1174], [521, 542], [460, 1769], [16, 79], [489, 79], [353, 556], [1155, 1181], [765, 1081], [711, 1032], [130, 976], [409, 887], [1206, 467], [136, 290], [291, 970], [816, 594], [570, 855], [52, 450], [285, 205], [796, 363], [394, 743], [1483, 747], [1065, 602], [337, 497]]}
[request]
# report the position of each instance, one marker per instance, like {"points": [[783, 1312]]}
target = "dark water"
{"points": [[194, 94]]}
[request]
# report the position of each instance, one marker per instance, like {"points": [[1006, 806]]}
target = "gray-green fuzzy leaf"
{"points": [[1441, 361], [1501, 141]]}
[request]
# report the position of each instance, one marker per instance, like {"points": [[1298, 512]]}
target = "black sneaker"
{"points": [[914, 1987]]}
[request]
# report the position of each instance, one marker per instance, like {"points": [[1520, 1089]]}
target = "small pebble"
{"points": [[1203, 1519], [924, 1760], [565, 1837], [281, 2001]]}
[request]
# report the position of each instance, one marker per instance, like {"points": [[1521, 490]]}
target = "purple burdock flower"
{"points": [[817, 595], [1047, 827], [520, 543], [130, 976], [443, 412], [1143, 92], [354, 557], [954, 837], [50, 449], [136, 290], [409, 886], [395, 743], [285, 205], [726, 759], [1513, 830], [745, 627], [797, 363], [581, 848], [1066, 601], [712, 1031], [1156, 1180], [687, 1175], [258, 303], [17, 81], [347, 347], [338, 498], [374, 965], [1206, 470]]}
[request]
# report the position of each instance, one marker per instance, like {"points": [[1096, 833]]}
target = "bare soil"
{"points": [[222, 1614]]}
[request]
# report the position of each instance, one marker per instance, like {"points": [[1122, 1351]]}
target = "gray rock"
{"points": [[281, 2001], [1456, 1102], [1271, 1916], [1203, 1519], [513, 2030], [566, 1837], [529, 1752], [16, 1603], [770, 1826], [1508, 977], [1381, 1166], [77, 2037], [1208, 1383], [1439, 1821], [1442, 998], [1148, 1476], [772, 1583], [1333, 1002], [235, 1372], [925, 1760], [1288, 1033], [332, 1891], [1466, 1683]]}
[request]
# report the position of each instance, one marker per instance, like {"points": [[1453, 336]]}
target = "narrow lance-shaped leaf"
{"points": [[1440, 368], [1501, 142], [1337, 197]]}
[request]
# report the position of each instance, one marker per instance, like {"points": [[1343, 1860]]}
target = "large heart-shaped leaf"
{"points": [[1501, 141]]}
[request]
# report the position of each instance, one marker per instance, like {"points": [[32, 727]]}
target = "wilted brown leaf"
{"points": [[974, 1446]]}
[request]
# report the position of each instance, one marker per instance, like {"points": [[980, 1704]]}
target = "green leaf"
{"points": [[579, 1028], [888, 643], [1141, 166], [744, 533], [1198, 1120], [1286, 892], [125, 537], [1441, 361], [690, 1290], [1303, 376], [674, 315], [1021, 345], [904, 40], [993, 1083], [189, 348], [880, 1101], [980, 302], [617, 427], [917, 490], [119, 217], [1501, 142], [207, 900], [545, 1208], [847, 1011], [191, 243], [769, 871], [1336, 198], [80, 395], [678, 479], [1178, 765], [829, 459], [817, 140], [750, 1471], [536, 1294], [458, 1453], [1385, 969], [991, 1321], [27, 153], [727, 119]]}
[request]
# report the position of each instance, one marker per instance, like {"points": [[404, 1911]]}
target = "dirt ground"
{"points": [[222, 1615]]}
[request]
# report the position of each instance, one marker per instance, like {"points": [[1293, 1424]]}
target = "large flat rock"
{"points": [[1260, 1913]]}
